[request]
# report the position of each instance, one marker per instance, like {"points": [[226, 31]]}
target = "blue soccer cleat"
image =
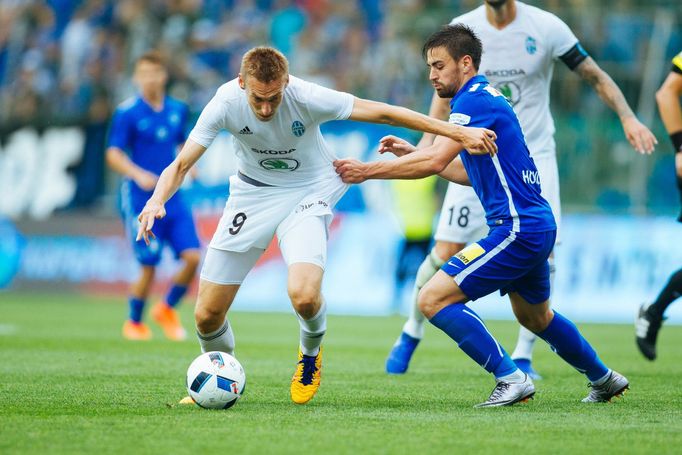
{"points": [[399, 358], [526, 366]]}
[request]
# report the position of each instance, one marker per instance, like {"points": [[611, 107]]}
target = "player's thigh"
{"points": [[439, 292], [462, 218], [535, 317], [491, 263], [446, 250], [304, 248], [182, 235], [549, 184], [305, 241], [223, 267]]}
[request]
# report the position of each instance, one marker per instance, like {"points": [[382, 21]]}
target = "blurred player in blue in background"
{"points": [[650, 318], [513, 257], [145, 133], [521, 44]]}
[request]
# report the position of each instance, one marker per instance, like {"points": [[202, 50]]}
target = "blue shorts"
{"points": [[176, 230], [505, 261]]}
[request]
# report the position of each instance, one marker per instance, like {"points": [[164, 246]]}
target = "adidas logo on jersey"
{"points": [[245, 130]]}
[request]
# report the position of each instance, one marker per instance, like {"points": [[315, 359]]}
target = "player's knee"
{"points": [[305, 299], [207, 318], [428, 301], [535, 321], [191, 259]]}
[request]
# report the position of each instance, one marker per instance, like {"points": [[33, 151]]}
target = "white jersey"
{"points": [[519, 61], [287, 150]]}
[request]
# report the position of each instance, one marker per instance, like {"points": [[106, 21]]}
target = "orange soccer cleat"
{"points": [[136, 331], [169, 321]]}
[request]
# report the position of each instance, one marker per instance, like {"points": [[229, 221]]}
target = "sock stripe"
{"points": [[499, 349], [220, 332]]}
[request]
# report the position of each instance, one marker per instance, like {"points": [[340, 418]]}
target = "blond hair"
{"points": [[266, 64]]}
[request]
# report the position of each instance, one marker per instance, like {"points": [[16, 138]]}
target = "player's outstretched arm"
{"points": [[170, 180], [421, 163], [639, 136], [439, 109], [475, 140], [455, 172], [118, 161]]}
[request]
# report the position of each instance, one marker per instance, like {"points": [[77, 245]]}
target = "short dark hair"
{"points": [[266, 64], [459, 40]]}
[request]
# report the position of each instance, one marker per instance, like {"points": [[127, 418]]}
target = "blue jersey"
{"points": [[507, 184], [151, 139]]}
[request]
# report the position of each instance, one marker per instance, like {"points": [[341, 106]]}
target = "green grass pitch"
{"points": [[70, 384]]}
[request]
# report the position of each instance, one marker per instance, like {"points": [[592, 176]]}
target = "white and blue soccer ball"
{"points": [[215, 380]]}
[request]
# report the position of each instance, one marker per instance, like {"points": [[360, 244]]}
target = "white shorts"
{"points": [[304, 242], [462, 218], [253, 215]]}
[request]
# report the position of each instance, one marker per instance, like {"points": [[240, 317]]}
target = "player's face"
{"points": [[445, 73], [264, 98], [150, 77]]}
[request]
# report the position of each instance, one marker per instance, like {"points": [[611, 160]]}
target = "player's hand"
{"points": [[146, 180], [153, 210], [350, 170], [477, 141], [639, 135], [395, 145]]}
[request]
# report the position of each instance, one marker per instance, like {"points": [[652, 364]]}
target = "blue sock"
{"points": [[175, 294], [136, 307], [464, 326], [565, 339]]}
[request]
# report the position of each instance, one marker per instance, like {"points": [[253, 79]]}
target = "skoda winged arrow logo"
{"points": [[279, 164], [298, 128]]}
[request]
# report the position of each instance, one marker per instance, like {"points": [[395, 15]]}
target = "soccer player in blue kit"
{"points": [[145, 133], [513, 257]]}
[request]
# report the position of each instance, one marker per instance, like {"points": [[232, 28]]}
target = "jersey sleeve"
{"points": [[210, 122], [120, 132], [474, 109], [325, 104], [560, 37], [677, 64]]}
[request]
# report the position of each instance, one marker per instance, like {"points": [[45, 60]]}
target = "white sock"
{"points": [[516, 377], [526, 340], [603, 379], [218, 340], [414, 326], [313, 330], [524, 344]]}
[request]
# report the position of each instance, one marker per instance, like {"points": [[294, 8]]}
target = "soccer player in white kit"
{"points": [[285, 185], [520, 45]]}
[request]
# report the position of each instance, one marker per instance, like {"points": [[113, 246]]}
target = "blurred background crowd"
{"points": [[68, 62]]}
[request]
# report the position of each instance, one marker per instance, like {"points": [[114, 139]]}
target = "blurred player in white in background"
{"points": [[285, 185], [520, 45], [650, 318]]}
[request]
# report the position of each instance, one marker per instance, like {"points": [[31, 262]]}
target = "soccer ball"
{"points": [[215, 380]]}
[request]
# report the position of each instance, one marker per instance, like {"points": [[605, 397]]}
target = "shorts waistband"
{"points": [[250, 181]]}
